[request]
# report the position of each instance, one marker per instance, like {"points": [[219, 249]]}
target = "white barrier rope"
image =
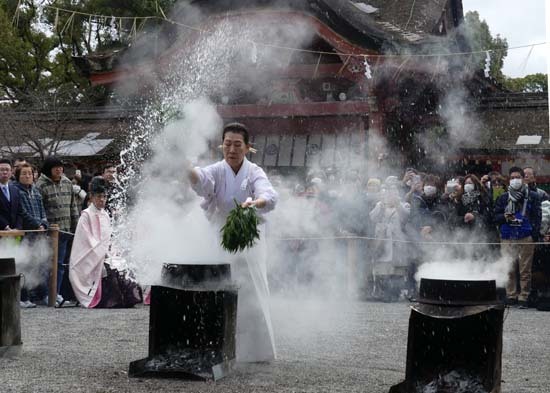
{"points": [[349, 237], [399, 240], [25, 231], [163, 18]]}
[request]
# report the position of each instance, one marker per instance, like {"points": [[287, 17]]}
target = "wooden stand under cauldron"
{"points": [[455, 338], [10, 314], [192, 324]]}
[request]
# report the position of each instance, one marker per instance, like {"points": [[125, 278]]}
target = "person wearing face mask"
{"points": [[408, 180], [473, 217], [414, 185], [427, 213], [390, 259], [518, 214], [473, 205], [450, 199], [372, 197]]}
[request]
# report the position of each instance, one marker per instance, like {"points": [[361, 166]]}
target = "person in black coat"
{"points": [[11, 211], [474, 206]]}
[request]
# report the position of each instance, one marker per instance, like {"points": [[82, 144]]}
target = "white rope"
{"points": [[362, 55], [25, 231], [397, 240], [524, 63], [411, 14]]}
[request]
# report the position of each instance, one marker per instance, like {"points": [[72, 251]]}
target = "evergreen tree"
{"points": [[38, 44], [479, 37], [533, 83]]}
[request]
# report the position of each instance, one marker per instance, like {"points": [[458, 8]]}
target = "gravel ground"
{"points": [[322, 347]]}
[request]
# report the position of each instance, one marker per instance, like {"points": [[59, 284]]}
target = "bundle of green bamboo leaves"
{"points": [[241, 229]]}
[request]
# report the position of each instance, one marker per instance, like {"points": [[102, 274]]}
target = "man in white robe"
{"points": [[220, 184]]}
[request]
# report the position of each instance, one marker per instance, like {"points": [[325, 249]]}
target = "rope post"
{"points": [[52, 293], [353, 257]]}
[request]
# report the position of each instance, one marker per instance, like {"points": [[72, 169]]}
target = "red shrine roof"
{"points": [[371, 26]]}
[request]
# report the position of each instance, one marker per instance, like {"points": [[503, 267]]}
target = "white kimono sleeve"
{"points": [[206, 185], [263, 189]]}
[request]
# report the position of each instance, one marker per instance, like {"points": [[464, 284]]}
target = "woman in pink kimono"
{"points": [[94, 282], [236, 178]]}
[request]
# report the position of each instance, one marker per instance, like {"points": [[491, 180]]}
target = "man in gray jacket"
{"points": [[61, 207]]}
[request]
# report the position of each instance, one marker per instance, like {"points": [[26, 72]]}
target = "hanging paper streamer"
{"points": [[524, 63], [134, 29], [89, 30], [368, 73], [487, 64], [15, 20], [68, 25], [254, 53], [56, 20], [113, 29]]}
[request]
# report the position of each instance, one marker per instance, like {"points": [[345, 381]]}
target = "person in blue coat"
{"points": [[518, 214]]}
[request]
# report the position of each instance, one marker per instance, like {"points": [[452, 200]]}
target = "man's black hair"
{"points": [[516, 169], [50, 163], [108, 165], [5, 161], [237, 128]]}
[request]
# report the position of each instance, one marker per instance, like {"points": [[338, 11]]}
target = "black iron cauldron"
{"points": [[192, 324], [455, 338], [10, 314]]}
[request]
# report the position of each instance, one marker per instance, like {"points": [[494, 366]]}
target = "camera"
{"points": [[515, 222], [451, 187]]}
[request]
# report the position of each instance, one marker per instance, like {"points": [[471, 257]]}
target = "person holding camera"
{"points": [[518, 214]]}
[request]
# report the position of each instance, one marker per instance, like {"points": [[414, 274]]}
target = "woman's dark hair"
{"points": [[432, 180], [477, 184], [98, 185], [20, 167], [237, 128], [49, 164]]}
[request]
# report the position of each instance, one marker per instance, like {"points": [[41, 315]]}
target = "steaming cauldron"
{"points": [[455, 338], [10, 325], [192, 324]]}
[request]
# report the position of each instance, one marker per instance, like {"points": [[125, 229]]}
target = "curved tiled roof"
{"points": [[388, 26], [372, 24]]}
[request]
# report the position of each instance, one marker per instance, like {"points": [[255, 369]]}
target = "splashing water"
{"points": [[157, 217]]}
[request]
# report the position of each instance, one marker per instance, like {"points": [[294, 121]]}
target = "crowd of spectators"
{"points": [[404, 220], [416, 217], [33, 201]]}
